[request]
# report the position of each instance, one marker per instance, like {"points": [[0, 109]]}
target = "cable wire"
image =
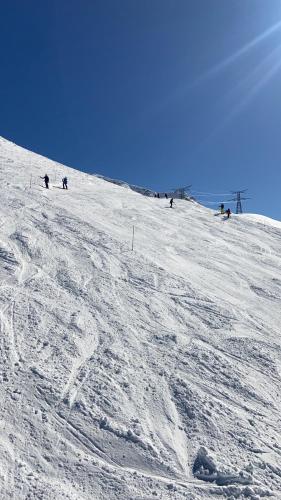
{"points": [[201, 193]]}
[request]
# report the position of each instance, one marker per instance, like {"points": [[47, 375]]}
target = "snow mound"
{"points": [[152, 373]]}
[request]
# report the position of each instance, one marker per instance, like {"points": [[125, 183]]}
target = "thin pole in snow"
{"points": [[133, 238]]}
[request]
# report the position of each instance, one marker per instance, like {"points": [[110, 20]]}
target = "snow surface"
{"points": [[145, 374]]}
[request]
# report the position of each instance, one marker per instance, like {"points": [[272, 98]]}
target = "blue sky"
{"points": [[160, 93]]}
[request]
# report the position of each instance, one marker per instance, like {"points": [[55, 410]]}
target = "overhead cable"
{"points": [[200, 193]]}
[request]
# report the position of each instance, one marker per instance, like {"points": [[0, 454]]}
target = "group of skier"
{"points": [[223, 211], [64, 186], [157, 195], [47, 180]]}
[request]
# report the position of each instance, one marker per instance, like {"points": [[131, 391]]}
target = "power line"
{"points": [[200, 193], [214, 202]]}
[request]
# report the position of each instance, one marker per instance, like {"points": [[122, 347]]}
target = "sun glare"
{"points": [[242, 51]]}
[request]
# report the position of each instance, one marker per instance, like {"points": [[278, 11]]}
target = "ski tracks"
{"points": [[86, 350], [71, 389], [25, 275]]}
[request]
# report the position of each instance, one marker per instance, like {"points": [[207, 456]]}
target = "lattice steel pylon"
{"points": [[238, 198], [182, 190]]}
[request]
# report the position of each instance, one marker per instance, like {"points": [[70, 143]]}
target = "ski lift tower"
{"points": [[182, 191]]}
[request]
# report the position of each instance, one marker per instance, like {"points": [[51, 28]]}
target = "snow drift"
{"points": [[153, 373]]}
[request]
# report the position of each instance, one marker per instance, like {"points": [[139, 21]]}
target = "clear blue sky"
{"points": [[160, 93]]}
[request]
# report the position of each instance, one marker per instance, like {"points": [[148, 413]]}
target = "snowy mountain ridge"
{"points": [[138, 189], [152, 373]]}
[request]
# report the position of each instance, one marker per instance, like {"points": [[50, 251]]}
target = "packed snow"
{"points": [[144, 373]]}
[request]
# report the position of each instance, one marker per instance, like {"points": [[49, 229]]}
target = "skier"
{"points": [[222, 208], [64, 183], [228, 212], [158, 195], [46, 179], [171, 202], [166, 196]]}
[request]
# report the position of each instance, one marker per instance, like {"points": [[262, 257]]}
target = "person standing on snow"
{"points": [[64, 183], [171, 202], [228, 212], [222, 208], [46, 179]]}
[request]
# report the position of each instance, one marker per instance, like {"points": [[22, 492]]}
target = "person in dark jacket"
{"points": [[46, 179], [228, 212], [64, 183], [222, 208], [171, 202]]}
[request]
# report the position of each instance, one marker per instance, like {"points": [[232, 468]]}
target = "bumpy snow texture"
{"points": [[152, 373]]}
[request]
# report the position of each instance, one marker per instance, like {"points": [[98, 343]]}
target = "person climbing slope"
{"points": [[46, 179], [64, 183], [171, 202], [228, 212]]}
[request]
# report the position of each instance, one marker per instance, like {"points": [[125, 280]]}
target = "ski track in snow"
{"points": [[119, 367]]}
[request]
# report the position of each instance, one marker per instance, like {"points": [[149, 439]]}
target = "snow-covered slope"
{"points": [[153, 373]]}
